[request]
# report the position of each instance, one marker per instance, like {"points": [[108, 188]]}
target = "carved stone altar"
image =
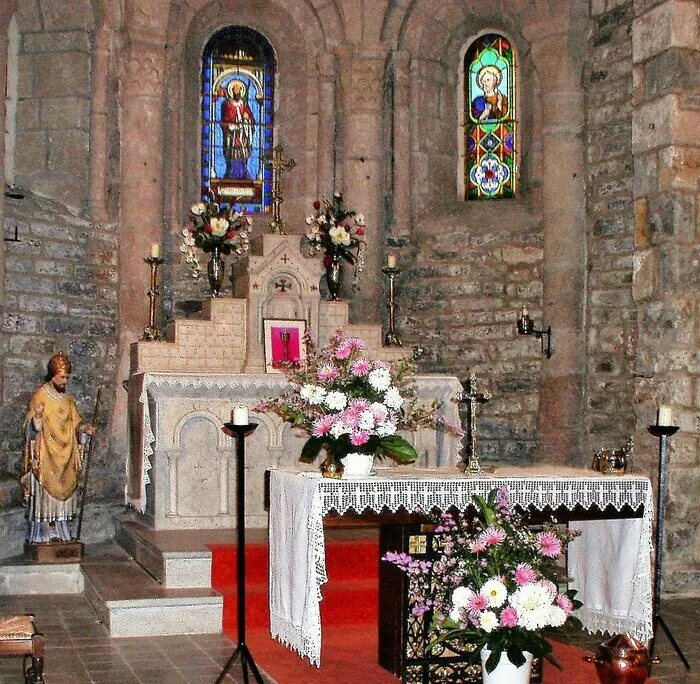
{"points": [[180, 471]]}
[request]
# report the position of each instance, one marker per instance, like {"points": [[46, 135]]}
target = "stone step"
{"points": [[131, 603]]}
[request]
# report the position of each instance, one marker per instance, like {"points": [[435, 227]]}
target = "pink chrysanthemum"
{"points": [[565, 603], [382, 364], [524, 574], [477, 603], [323, 425], [379, 412], [356, 343], [359, 437], [327, 372], [492, 536], [548, 544], [361, 367], [343, 350], [477, 546], [509, 617], [359, 405]]}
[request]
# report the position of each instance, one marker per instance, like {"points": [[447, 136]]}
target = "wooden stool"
{"points": [[18, 636]]}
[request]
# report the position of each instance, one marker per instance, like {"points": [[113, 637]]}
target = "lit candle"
{"points": [[665, 415], [391, 261], [524, 312], [155, 250], [239, 415]]}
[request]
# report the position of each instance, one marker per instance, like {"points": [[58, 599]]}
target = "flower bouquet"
{"points": [[340, 233], [349, 403], [493, 583], [217, 229]]}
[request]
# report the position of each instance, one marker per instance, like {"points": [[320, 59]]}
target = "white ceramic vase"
{"points": [[357, 465], [506, 672]]}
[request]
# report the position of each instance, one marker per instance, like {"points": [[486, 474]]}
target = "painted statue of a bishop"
{"points": [[54, 439]]}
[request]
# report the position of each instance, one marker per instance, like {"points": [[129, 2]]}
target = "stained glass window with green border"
{"points": [[490, 160], [238, 76]]}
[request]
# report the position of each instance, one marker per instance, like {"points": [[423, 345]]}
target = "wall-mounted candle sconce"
{"points": [[526, 326]]}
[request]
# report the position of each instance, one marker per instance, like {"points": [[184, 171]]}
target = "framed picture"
{"points": [[283, 342]]}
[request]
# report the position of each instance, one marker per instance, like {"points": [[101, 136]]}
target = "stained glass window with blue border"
{"points": [[489, 73], [238, 76]]}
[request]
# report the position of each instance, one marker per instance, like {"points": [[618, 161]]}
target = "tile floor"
{"points": [[79, 651]]}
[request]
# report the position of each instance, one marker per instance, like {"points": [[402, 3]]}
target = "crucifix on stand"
{"points": [[279, 164], [473, 396]]}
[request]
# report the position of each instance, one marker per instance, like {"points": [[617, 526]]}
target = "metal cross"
{"points": [[470, 394], [279, 164]]}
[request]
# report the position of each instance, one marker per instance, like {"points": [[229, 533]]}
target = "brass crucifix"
{"points": [[469, 393], [278, 164]]}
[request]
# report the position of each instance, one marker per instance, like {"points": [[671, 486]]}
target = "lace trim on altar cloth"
{"points": [[306, 645], [599, 622]]}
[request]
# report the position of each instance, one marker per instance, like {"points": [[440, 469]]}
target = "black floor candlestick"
{"points": [[242, 650], [663, 432]]}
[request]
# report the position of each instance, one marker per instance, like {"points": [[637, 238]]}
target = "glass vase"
{"points": [[215, 272]]}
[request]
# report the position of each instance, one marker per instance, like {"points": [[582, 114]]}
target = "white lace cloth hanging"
{"points": [[610, 562]]}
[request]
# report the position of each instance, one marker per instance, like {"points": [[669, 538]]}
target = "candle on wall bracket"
{"points": [[526, 326]]}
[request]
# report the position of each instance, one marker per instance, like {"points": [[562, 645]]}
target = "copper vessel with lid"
{"points": [[622, 660]]}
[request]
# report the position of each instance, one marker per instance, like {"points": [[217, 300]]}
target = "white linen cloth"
{"points": [[610, 562]]}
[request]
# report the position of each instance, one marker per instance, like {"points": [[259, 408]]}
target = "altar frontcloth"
{"points": [[610, 563]]}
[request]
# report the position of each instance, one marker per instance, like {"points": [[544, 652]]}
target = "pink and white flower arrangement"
{"points": [[348, 402], [493, 583], [215, 226]]}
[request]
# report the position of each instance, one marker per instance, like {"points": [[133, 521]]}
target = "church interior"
{"points": [[526, 182]]}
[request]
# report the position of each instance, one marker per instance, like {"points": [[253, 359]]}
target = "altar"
{"points": [[610, 562]]}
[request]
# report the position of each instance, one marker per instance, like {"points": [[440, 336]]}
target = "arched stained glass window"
{"points": [[489, 75], [238, 75]]}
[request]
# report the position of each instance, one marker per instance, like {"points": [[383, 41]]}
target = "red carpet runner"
{"points": [[348, 616]]}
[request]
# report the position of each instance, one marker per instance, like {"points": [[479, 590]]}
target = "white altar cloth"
{"points": [[610, 562]]}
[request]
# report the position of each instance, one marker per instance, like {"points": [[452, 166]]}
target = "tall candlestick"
{"points": [[665, 415], [155, 250], [239, 415]]}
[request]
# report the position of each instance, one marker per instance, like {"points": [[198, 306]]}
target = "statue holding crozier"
{"points": [[55, 438]]}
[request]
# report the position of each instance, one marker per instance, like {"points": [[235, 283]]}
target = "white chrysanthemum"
{"points": [[533, 603], [313, 394], [386, 429], [336, 401], [339, 429], [366, 421], [461, 597], [488, 621], [557, 616], [380, 379], [496, 592], [393, 398]]}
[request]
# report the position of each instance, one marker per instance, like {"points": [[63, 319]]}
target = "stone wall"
{"points": [[611, 315], [53, 108]]}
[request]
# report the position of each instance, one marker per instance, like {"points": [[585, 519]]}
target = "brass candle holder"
{"points": [[392, 338], [151, 332], [526, 326]]}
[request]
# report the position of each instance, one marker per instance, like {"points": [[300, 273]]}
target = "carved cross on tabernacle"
{"points": [[470, 394], [279, 164], [283, 285], [285, 259]]}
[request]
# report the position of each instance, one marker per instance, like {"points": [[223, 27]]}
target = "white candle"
{"points": [[665, 415], [523, 313], [155, 250], [391, 261], [239, 415]]}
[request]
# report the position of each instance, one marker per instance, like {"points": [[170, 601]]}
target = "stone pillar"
{"points": [[362, 71], [666, 149], [327, 72], [401, 224], [561, 425], [141, 194]]}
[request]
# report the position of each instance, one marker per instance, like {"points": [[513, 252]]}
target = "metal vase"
{"points": [[334, 277], [215, 272]]}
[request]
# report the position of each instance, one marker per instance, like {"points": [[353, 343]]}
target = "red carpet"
{"points": [[349, 619]]}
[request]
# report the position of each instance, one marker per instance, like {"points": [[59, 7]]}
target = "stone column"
{"points": [[362, 72], [141, 194], [327, 73], [666, 149], [401, 224], [561, 425]]}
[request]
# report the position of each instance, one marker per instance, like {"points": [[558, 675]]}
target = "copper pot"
{"points": [[622, 660]]}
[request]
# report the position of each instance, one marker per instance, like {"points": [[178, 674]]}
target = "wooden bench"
{"points": [[19, 636]]}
